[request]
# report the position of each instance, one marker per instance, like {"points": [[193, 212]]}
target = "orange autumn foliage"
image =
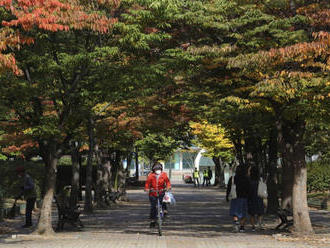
{"points": [[49, 15]]}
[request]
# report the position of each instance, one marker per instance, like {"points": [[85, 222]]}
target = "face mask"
{"points": [[158, 172]]}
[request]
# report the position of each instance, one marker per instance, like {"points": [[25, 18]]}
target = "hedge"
{"points": [[318, 177]]}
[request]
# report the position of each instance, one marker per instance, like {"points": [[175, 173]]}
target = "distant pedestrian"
{"points": [[205, 177], [256, 207], [238, 206], [196, 178], [29, 193], [210, 175]]}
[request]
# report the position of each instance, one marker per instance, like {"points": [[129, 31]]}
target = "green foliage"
{"points": [[317, 136], [3, 157], [65, 161], [157, 146], [318, 177]]}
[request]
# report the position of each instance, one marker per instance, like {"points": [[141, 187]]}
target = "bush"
{"points": [[318, 177]]}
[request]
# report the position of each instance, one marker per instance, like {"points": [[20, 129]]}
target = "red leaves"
{"points": [[54, 15], [49, 15], [303, 52], [319, 15]]}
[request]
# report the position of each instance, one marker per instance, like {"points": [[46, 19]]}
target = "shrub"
{"points": [[318, 177]]}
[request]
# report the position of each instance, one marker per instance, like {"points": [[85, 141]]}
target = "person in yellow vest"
{"points": [[196, 178], [205, 177]]}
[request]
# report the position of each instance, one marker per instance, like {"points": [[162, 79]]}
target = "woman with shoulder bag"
{"points": [[255, 202], [238, 205]]}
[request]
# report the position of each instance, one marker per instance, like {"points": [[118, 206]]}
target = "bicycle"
{"points": [[160, 211]]}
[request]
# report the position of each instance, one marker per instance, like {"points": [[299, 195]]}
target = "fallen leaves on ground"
{"points": [[310, 239]]}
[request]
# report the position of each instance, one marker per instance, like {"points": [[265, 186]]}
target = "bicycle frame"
{"points": [[160, 212], [160, 215]]}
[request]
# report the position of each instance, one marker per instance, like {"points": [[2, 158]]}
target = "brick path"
{"points": [[200, 219]]}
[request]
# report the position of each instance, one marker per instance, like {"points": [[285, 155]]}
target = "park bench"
{"points": [[67, 215], [286, 218]]}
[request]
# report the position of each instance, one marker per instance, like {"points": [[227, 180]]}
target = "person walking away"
{"points": [[205, 177], [196, 177], [209, 178], [29, 193], [157, 180], [255, 203], [238, 206]]}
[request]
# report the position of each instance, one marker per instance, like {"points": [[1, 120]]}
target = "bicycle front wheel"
{"points": [[160, 222]]}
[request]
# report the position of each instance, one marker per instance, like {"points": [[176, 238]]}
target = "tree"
{"points": [[53, 74], [293, 80], [231, 65], [214, 139]]}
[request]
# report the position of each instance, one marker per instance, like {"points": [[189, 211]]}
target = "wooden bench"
{"points": [[67, 215], [286, 218]]}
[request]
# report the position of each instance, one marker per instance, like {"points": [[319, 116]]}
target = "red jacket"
{"points": [[151, 183]]}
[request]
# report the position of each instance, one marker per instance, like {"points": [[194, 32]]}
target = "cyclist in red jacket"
{"points": [[157, 181]]}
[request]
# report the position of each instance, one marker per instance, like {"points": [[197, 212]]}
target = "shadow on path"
{"points": [[199, 212]]}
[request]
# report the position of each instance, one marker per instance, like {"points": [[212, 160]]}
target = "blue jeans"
{"points": [[153, 205]]}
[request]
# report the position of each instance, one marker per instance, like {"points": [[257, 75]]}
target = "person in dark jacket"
{"points": [[238, 206], [210, 175], [255, 203], [29, 193]]}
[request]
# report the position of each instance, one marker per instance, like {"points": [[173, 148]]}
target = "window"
{"points": [[188, 159]]}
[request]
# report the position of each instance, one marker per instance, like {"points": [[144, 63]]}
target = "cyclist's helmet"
{"points": [[157, 166]]}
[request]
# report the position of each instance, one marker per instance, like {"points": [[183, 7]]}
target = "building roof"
{"points": [[206, 161]]}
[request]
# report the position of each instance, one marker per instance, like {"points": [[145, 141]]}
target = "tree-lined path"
{"points": [[200, 219]]}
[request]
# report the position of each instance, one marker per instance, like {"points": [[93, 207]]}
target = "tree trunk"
{"points": [[45, 221], [272, 189], [239, 151], [88, 208], [136, 164], [295, 153], [301, 219], [287, 184], [74, 195], [103, 178], [272, 183], [218, 173], [115, 167], [302, 222], [122, 183]]}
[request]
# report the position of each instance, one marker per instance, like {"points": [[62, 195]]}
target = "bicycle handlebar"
{"points": [[160, 190]]}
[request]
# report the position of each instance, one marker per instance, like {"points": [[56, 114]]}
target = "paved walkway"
{"points": [[200, 219]]}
